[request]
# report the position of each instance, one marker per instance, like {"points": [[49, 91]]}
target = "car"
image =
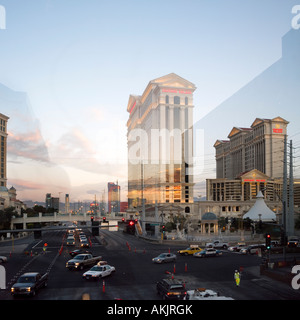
{"points": [[164, 257], [3, 259], [237, 247], [82, 260], [205, 294], [99, 271], [29, 283], [171, 289], [253, 249], [75, 252], [217, 244], [190, 250], [84, 244], [208, 252], [71, 241], [293, 242], [275, 243]]}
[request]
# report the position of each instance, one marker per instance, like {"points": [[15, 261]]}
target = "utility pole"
{"points": [[284, 196], [291, 221]]}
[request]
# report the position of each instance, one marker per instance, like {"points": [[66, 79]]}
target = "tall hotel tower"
{"points": [[3, 137], [160, 142]]}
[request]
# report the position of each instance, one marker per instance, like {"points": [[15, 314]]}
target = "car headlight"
{"points": [[77, 263], [28, 289], [12, 290]]}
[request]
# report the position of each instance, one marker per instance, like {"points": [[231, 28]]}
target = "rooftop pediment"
{"points": [[173, 80], [254, 175]]}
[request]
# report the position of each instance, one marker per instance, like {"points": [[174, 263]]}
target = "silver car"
{"points": [[164, 257]]}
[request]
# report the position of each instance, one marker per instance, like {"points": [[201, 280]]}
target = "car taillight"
{"points": [[173, 293]]}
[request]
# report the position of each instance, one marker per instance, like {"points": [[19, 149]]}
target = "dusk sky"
{"points": [[78, 62]]}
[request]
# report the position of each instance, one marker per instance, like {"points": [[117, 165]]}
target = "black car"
{"points": [[75, 252], [171, 289], [293, 242]]}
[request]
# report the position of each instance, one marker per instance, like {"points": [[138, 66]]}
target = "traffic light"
{"points": [[131, 223], [268, 241], [104, 219], [92, 218], [123, 219]]}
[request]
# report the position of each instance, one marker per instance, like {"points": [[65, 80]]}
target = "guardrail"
{"points": [[58, 217]]}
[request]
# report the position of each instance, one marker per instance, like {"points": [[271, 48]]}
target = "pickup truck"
{"points": [[217, 244], [82, 260], [29, 283]]}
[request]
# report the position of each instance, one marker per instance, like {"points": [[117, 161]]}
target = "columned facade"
{"points": [[258, 147], [3, 158], [160, 142]]}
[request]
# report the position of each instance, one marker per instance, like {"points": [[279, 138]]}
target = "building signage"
{"points": [[254, 180], [177, 91], [132, 107], [275, 130]]}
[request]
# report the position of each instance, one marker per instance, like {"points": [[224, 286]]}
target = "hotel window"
{"points": [[177, 173], [176, 100], [167, 99], [176, 118], [177, 194], [186, 101]]}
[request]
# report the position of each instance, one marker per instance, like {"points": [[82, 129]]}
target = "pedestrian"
{"points": [[237, 278]]}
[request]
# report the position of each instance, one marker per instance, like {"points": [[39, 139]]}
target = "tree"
{"points": [[6, 216]]}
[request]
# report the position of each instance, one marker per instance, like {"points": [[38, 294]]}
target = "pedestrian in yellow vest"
{"points": [[237, 278]]}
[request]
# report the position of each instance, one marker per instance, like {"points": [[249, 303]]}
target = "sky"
{"points": [[78, 62]]}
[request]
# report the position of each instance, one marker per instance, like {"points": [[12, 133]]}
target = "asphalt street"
{"points": [[136, 275]]}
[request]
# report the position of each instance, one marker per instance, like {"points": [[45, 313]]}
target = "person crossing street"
{"points": [[237, 278]]}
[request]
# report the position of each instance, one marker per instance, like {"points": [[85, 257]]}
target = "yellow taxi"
{"points": [[190, 250]]}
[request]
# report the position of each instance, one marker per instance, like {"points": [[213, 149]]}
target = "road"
{"points": [[136, 276]]}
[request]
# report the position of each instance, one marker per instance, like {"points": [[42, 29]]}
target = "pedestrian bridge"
{"points": [[56, 218]]}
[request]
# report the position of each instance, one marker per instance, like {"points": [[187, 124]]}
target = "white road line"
{"points": [[37, 244]]}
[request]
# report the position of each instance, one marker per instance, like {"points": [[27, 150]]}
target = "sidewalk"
{"points": [[282, 274]]}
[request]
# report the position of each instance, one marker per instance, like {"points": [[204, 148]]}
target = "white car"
{"points": [[204, 294], [237, 248], [98, 272], [3, 259]]}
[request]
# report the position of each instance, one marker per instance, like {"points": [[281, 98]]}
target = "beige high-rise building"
{"points": [[160, 142], [3, 159], [259, 147]]}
